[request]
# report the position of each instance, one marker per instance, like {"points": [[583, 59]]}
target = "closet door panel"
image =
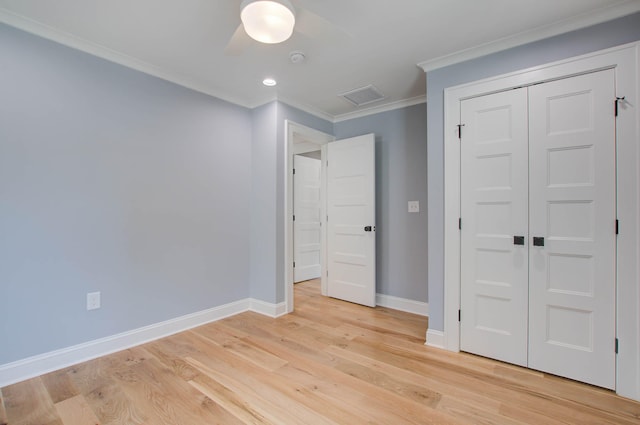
{"points": [[572, 207], [494, 185]]}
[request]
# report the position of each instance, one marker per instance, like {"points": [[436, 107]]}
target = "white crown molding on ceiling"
{"points": [[303, 107], [390, 106], [567, 25], [95, 49]]}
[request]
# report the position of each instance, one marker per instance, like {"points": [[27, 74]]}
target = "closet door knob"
{"points": [[538, 241], [518, 240]]}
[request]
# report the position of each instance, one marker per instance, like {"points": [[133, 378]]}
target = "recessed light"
{"points": [[269, 82]]}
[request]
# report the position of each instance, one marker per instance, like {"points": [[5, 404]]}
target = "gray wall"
{"points": [[401, 176], [263, 275], [113, 181], [598, 37]]}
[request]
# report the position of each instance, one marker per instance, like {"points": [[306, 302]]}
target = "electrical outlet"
{"points": [[414, 206], [93, 300]]}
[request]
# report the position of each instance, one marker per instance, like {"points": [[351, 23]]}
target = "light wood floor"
{"points": [[330, 362]]}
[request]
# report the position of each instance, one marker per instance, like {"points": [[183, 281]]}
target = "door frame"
{"points": [[301, 139], [624, 60]]}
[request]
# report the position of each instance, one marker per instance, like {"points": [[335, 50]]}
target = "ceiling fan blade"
{"points": [[317, 27], [238, 43]]}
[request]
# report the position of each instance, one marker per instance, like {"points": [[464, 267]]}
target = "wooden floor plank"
{"points": [[3, 412], [76, 411], [112, 406], [236, 404], [29, 403], [95, 381], [329, 362], [60, 386]]}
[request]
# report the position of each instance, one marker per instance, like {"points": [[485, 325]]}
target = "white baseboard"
{"points": [[403, 304], [21, 370], [267, 309], [435, 339]]}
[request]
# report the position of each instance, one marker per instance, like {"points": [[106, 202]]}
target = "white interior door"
{"points": [[494, 202], [351, 240], [573, 213], [306, 225]]}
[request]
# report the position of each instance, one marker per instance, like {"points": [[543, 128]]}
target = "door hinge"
{"points": [[617, 227], [616, 345], [459, 316], [616, 103], [294, 264], [460, 223], [460, 131], [294, 217], [294, 171]]}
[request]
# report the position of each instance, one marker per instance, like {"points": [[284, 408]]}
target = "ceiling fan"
{"points": [[274, 21]]}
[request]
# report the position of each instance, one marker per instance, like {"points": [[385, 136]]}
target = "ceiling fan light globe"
{"points": [[268, 21]]}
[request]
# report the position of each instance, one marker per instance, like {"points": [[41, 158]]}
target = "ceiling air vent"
{"points": [[363, 95]]}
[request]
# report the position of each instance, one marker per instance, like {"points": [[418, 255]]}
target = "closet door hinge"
{"points": [[460, 131], [459, 316], [460, 223], [294, 264], [616, 345], [294, 171], [616, 103], [617, 227]]}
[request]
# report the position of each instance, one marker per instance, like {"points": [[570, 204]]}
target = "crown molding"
{"points": [[390, 106], [306, 108], [95, 49], [564, 26]]}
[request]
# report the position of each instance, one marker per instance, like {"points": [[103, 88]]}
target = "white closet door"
{"points": [[494, 190], [572, 206], [306, 227]]}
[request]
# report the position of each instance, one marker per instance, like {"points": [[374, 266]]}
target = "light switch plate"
{"points": [[414, 206], [93, 300]]}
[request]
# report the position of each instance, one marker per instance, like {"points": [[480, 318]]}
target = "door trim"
{"points": [[624, 61], [294, 133]]}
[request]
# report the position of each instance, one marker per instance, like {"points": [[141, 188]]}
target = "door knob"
{"points": [[538, 241], [367, 228], [518, 240]]}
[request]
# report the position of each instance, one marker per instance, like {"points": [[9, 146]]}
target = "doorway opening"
{"points": [[307, 209], [304, 143]]}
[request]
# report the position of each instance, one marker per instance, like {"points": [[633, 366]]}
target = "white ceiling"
{"points": [[377, 42]]}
